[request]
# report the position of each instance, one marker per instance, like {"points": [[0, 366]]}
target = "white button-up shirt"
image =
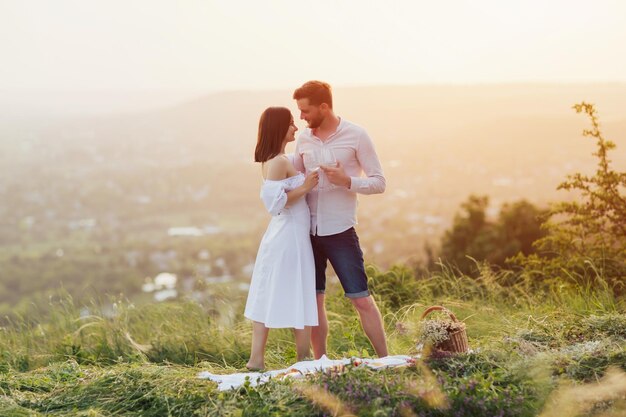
{"points": [[333, 208]]}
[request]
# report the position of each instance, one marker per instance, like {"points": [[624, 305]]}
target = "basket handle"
{"points": [[439, 308]]}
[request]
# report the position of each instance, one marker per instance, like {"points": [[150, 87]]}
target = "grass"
{"points": [[533, 348]]}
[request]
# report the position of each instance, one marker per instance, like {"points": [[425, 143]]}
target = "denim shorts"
{"points": [[346, 257]]}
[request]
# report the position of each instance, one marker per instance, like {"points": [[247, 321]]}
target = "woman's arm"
{"points": [[278, 169], [309, 183]]}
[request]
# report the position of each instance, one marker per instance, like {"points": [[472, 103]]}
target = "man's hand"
{"points": [[336, 175]]}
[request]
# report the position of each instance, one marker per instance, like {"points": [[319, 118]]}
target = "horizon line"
{"points": [[281, 88]]}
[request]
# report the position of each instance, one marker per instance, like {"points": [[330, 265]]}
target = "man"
{"points": [[333, 205]]}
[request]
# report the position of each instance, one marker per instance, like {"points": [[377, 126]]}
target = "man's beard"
{"points": [[315, 123]]}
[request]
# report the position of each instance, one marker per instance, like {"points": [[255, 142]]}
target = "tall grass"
{"points": [[185, 332], [528, 339]]}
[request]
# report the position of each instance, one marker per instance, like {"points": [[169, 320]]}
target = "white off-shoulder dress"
{"points": [[282, 290]]}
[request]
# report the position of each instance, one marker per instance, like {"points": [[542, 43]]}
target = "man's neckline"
{"points": [[337, 130]]}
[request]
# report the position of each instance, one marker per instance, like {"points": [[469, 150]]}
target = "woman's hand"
{"points": [[311, 180]]}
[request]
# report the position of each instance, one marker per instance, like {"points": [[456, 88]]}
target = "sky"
{"points": [[205, 46]]}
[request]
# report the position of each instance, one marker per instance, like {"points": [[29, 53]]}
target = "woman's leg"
{"points": [[303, 341], [319, 333], [259, 339]]}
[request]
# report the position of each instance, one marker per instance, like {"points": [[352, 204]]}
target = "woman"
{"points": [[282, 290]]}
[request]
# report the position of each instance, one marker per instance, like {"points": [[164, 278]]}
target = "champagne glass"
{"points": [[312, 161], [327, 158]]}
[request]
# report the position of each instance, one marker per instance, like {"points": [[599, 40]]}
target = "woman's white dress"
{"points": [[282, 290]]}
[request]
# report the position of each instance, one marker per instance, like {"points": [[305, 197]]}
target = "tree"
{"points": [[469, 234], [590, 231], [518, 227], [473, 236]]}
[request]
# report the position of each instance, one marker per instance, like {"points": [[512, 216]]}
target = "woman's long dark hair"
{"points": [[273, 126]]}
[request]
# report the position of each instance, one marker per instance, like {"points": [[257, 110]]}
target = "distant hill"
{"points": [[503, 129], [393, 115], [437, 143], [88, 201]]}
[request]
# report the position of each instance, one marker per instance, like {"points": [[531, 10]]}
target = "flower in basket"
{"points": [[447, 335], [437, 332]]}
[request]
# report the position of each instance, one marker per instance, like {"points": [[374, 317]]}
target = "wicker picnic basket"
{"points": [[457, 340]]}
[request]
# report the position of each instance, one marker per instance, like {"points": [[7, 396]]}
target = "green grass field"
{"points": [[550, 350]]}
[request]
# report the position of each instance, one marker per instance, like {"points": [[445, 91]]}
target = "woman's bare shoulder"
{"points": [[277, 168]]}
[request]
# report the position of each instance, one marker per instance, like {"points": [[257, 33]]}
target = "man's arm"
{"points": [[374, 181]]}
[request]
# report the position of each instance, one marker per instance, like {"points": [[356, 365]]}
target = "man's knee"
{"points": [[364, 304]]}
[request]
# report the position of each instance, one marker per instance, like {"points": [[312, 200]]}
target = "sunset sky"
{"points": [[193, 45]]}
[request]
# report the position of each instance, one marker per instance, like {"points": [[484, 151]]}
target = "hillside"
{"points": [[104, 191], [548, 351]]}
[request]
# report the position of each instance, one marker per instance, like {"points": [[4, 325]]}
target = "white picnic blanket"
{"points": [[299, 369]]}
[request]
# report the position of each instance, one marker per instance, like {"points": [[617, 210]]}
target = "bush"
{"points": [[586, 237]]}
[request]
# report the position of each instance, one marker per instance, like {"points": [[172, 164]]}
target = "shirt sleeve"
{"points": [[374, 181], [274, 196]]}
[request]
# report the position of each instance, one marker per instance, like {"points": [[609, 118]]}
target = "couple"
{"points": [[313, 216]]}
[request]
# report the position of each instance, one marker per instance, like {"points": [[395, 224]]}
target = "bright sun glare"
{"points": [[219, 45]]}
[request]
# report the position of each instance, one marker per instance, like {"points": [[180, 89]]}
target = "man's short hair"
{"points": [[317, 92]]}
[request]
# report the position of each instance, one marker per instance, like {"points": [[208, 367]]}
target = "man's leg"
{"points": [[346, 257], [372, 323], [319, 333]]}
